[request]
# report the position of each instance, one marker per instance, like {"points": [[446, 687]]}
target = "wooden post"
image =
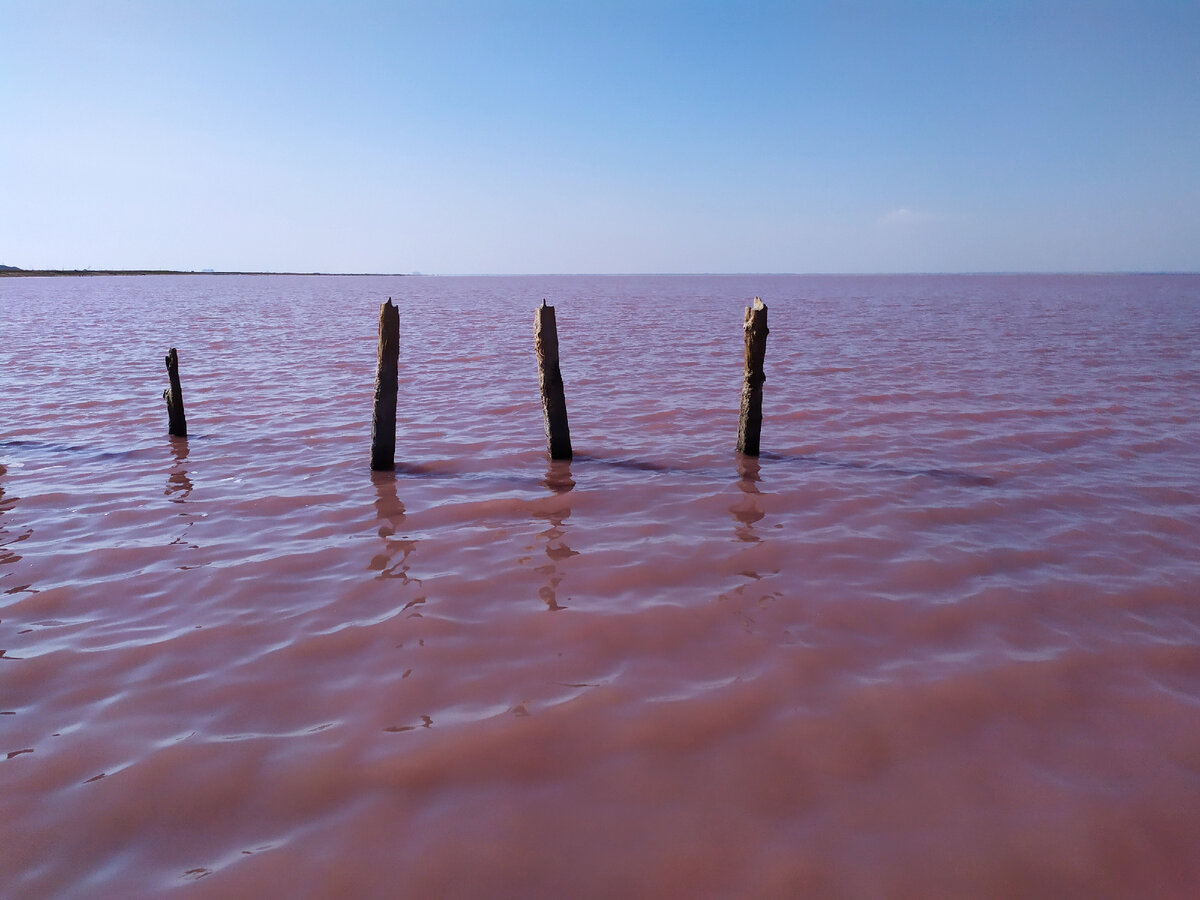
{"points": [[176, 422], [554, 404], [750, 420], [383, 419]]}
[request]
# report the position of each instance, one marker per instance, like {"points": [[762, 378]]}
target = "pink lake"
{"points": [[941, 640]]}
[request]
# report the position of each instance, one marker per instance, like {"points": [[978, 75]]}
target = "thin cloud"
{"points": [[905, 217]]}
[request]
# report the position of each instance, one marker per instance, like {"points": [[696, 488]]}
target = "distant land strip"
{"points": [[14, 272]]}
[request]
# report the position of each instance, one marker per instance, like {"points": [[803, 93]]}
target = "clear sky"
{"points": [[537, 137]]}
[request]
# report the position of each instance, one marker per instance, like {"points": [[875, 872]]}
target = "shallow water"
{"points": [[942, 639]]}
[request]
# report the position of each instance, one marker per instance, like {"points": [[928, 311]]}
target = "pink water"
{"points": [[942, 640]]}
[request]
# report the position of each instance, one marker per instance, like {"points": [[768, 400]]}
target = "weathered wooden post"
{"points": [[383, 419], [176, 422], [750, 420], [554, 403]]}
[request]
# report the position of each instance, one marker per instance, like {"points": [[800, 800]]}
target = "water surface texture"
{"points": [[941, 640]]}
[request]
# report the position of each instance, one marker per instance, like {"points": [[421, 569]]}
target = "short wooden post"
{"points": [[383, 419], [750, 420], [176, 422], [554, 403]]}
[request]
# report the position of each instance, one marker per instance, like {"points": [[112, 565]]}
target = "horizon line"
{"points": [[15, 271]]}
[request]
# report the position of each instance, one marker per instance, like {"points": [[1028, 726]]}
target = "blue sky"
{"points": [[487, 137]]}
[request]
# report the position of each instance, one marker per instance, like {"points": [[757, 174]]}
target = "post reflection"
{"points": [[559, 482], [389, 511], [7, 539], [179, 486], [747, 511], [558, 476]]}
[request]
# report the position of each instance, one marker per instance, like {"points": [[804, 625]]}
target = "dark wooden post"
{"points": [[383, 420], [176, 423], [750, 420], [554, 404]]}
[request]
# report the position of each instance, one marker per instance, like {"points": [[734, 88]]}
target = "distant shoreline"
{"points": [[11, 272], [8, 272]]}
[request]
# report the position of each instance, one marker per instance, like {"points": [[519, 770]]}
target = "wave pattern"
{"points": [[941, 639]]}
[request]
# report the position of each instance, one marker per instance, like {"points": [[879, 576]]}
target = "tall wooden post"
{"points": [[554, 403], [383, 419], [750, 420], [176, 422]]}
